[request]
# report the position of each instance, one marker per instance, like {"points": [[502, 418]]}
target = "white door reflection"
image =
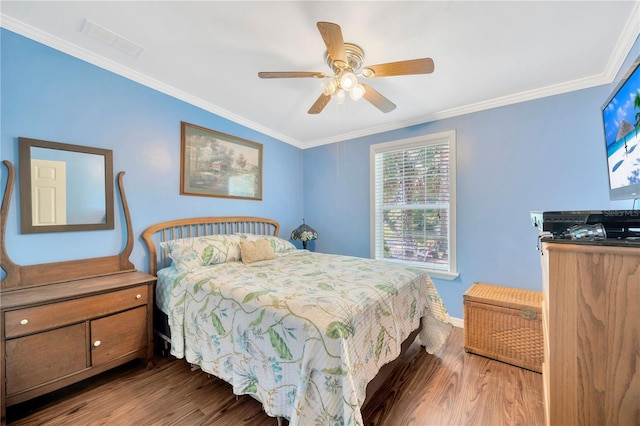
{"points": [[48, 192]]}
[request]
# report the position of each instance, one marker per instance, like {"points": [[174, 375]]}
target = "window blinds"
{"points": [[412, 204]]}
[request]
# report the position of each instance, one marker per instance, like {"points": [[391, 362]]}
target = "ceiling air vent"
{"points": [[111, 39]]}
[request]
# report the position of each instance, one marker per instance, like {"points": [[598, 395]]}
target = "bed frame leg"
{"points": [[279, 421], [166, 343]]}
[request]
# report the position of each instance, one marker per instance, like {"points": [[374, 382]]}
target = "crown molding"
{"points": [[516, 98], [623, 46], [625, 42], [49, 40]]}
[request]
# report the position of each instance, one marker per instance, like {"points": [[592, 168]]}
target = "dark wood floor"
{"points": [[448, 388]]}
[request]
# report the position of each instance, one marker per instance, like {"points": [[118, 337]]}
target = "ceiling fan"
{"points": [[346, 63]]}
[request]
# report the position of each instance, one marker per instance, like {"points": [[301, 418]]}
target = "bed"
{"points": [[309, 335]]}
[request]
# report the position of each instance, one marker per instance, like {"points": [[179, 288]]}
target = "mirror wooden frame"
{"points": [[21, 276], [26, 219]]}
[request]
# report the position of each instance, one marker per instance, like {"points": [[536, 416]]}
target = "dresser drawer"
{"points": [[38, 318]]}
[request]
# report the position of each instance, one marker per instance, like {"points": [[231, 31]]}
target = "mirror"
{"points": [[64, 187]]}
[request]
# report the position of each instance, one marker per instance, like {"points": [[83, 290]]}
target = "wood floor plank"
{"points": [[450, 387], [445, 403], [431, 381], [529, 390]]}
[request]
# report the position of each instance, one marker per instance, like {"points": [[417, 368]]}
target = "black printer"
{"points": [[620, 224]]}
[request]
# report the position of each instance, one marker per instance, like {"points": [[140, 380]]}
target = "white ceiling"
{"points": [[208, 53]]}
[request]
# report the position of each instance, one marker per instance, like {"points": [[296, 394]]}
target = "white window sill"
{"points": [[433, 273], [442, 275]]}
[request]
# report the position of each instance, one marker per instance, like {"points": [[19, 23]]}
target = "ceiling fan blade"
{"points": [[290, 74], [412, 66], [319, 104], [332, 36], [379, 101]]}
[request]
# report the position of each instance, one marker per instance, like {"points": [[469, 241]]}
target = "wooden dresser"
{"points": [[61, 333], [591, 327], [63, 322]]}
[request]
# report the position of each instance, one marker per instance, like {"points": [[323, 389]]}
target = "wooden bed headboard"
{"points": [[197, 227]]}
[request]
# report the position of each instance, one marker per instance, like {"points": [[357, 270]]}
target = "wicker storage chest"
{"points": [[505, 324]]}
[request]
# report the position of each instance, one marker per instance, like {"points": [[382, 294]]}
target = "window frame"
{"points": [[448, 137]]}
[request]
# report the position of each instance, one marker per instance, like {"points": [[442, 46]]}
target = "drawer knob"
{"points": [[24, 321], [97, 343], [138, 296]]}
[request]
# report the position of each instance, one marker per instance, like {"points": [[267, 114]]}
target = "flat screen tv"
{"points": [[621, 118]]}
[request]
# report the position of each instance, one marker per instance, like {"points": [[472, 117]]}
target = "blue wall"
{"points": [[546, 154], [52, 96]]}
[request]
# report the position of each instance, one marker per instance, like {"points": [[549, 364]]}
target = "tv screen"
{"points": [[621, 118]]}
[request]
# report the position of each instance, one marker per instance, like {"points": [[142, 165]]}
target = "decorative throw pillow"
{"points": [[255, 251], [278, 245], [194, 252]]}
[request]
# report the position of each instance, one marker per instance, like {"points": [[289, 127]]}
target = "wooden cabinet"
{"points": [[58, 334], [591, 326]]}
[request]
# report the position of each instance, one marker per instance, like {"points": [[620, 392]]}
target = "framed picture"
{"points": [[214, 164]]}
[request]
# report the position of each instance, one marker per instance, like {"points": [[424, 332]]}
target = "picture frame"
{"points": [[215, 164]]}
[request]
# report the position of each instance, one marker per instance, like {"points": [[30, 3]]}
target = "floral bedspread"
{"points": [[303, 333]]}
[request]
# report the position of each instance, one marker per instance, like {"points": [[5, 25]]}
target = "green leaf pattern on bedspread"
{"points": [[304, 333]]}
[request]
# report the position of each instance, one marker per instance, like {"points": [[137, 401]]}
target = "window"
{"points": [[413, 202]]}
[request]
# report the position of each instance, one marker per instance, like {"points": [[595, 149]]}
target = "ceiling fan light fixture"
{"points": [[348, 80], [330, 87], [357, 92], [338, 97]]}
